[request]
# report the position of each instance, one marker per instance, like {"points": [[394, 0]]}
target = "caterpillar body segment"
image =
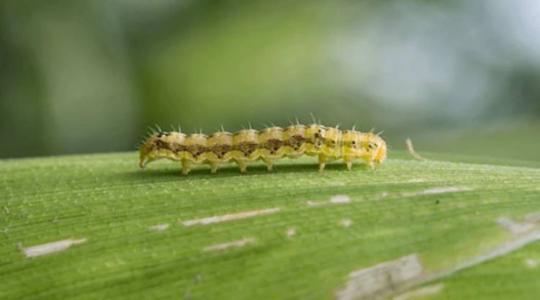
{"points": [[269, 145], [221, 145], [296, 137], [245, 148]]}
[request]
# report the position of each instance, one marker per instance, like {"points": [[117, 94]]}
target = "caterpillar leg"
{"points": [[322, 162], [144, 161], [269, 164], [242, 165], [214, 168], [349, 164], [186, 166]]}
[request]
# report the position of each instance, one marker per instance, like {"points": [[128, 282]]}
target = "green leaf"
{"points": [[293, 233]]}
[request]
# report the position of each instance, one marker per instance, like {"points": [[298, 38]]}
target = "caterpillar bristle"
{"points": [[268, 145], [313, 119]]}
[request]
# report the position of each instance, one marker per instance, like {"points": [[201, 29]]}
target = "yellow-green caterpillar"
{"points": [[269, 144]]}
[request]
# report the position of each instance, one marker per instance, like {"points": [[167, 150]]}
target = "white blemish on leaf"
{"points": [[381, 196], [336, 183], [362, 286], [346, 223], [533, 217], [443, 190], [291, 232], [510, 246], [382, 279], [421, 292], [336, 199], [52, 247], [231, 217], [314, 203], [340, 199], [514, 227], [159, 227], [531, 263], [233, 244]]}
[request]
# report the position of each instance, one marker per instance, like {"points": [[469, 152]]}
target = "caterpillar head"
{"points": [[158, 145]]}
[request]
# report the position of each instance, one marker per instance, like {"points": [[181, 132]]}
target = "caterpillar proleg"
{"points": [[269, 145]]}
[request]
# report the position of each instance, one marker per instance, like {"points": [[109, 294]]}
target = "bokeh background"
{"points": [[92, 76]]}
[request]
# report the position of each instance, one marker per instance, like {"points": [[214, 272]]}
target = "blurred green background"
{"points": [[91, 76]]}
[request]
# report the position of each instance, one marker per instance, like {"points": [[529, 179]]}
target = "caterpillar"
{"points": [[269, 145]]}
